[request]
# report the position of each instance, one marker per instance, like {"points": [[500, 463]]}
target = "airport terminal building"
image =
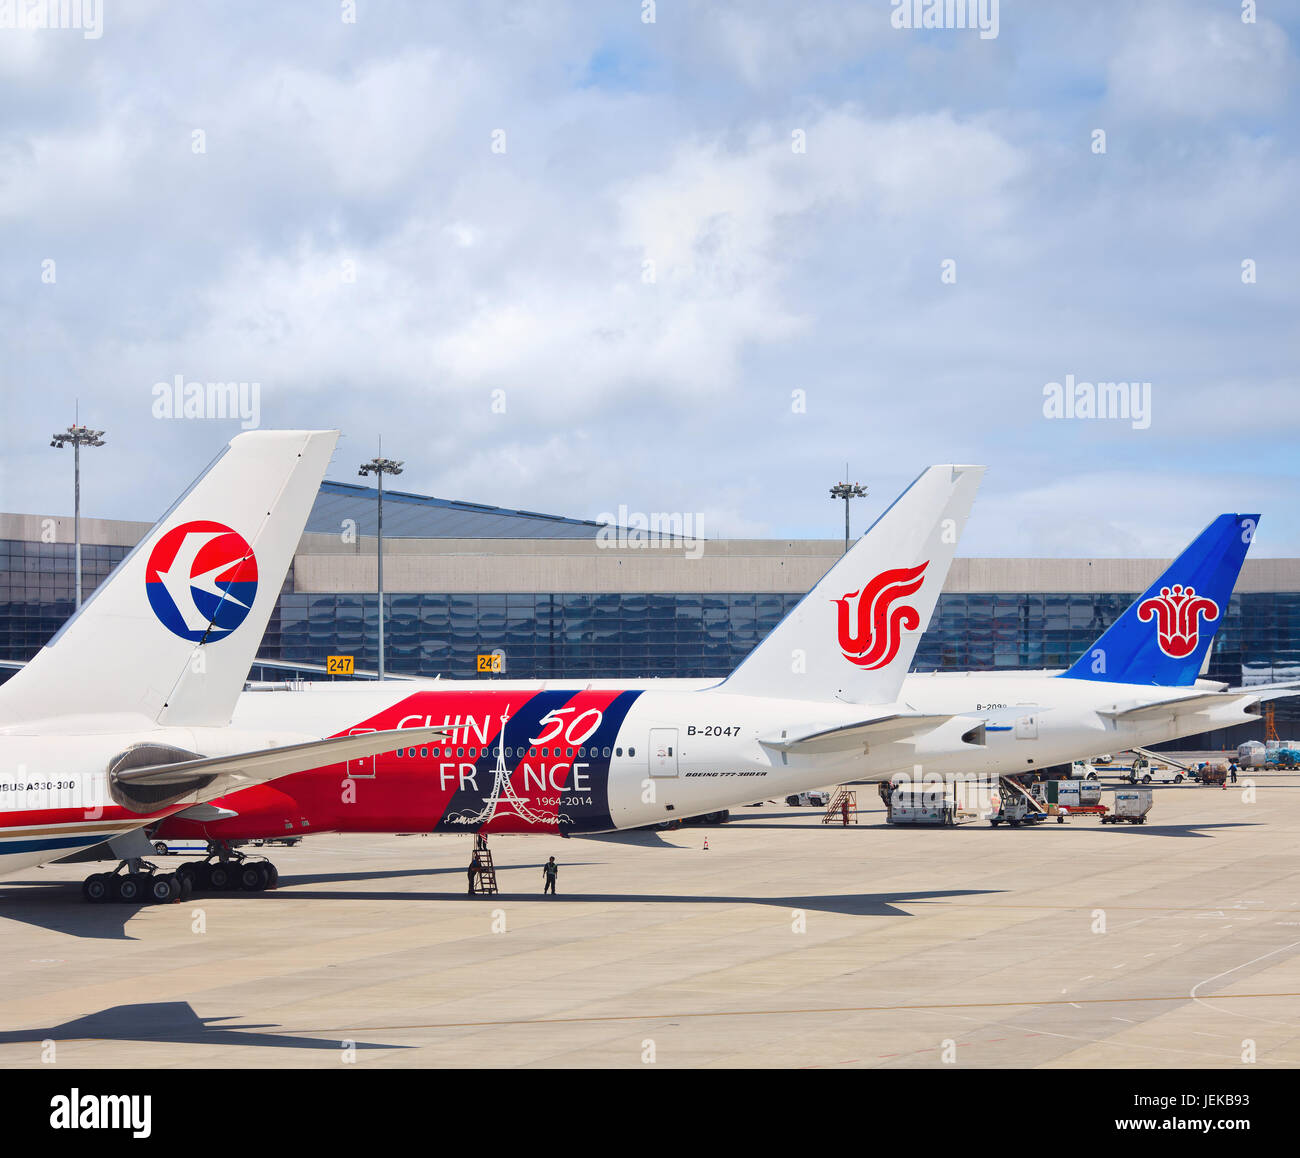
{"points": [[556, 598]]}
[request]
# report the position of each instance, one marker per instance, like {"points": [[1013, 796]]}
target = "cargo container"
{"points": [[933, 803], [1072, 793], [1131, 806]]}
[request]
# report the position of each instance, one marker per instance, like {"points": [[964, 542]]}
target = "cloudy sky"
{"points": [[563, 258]]}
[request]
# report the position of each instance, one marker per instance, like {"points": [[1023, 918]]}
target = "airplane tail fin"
{"points": [[171, 633], [1164, 637], [853, 636]]}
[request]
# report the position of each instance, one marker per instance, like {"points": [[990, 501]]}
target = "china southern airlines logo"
{"points": [[1177, 614], [878, 634], [202, 580]]}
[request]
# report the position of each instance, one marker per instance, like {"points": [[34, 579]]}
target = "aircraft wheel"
{"points": [[252, 879], [272, 875], [186, 886], [202, 878], [163, 888], [220, 877], [128, 888], [97, 888]]}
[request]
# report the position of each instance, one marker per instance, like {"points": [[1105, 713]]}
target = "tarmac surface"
{"points": [[785, 943]]}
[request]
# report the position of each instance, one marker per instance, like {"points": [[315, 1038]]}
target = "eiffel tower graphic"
{"points": [[503, 793]]}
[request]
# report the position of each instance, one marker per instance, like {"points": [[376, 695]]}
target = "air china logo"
{"points": [[878, 633], [1177, 614], [201, 580]]}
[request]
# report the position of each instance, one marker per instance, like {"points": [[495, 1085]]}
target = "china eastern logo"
{"points": [[873, 641], [201, 579], [1178, 613]]}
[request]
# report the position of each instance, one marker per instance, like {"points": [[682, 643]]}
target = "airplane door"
{"points": [[361, 767], [663, 751], [1027, 727]]}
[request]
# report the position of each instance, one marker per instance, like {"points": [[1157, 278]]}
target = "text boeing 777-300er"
{"points": [[556, 756], [124, 717]]}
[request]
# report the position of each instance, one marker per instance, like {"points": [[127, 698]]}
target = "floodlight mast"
{"points": [[847, 491], [381, 466], [77, 436]]}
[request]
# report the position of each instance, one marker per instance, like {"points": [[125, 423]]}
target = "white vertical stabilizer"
{"points": [[171, 633], [853, 636]]}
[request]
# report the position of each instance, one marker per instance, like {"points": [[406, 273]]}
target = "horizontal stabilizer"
{"points": [[847, 737], [1269, 691], [1171, 708]]}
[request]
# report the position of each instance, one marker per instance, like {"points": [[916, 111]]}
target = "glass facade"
{"points": [[622, 635]]}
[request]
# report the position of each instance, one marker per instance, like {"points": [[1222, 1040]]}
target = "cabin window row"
{"points": [[516, 753]]}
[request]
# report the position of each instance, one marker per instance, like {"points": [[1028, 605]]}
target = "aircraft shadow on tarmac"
{"points": [[1199, 831], [848, 904], [59, 907], [172, 1022]]}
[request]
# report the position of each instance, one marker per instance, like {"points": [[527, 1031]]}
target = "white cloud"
{"points": [[1206, 63]]}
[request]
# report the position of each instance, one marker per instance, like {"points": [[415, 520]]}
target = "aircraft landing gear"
{"points": [[141, 883], [226, 869]]}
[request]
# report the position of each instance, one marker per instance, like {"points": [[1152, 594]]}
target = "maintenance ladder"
{"points": [[485, 880], [844, 806]]}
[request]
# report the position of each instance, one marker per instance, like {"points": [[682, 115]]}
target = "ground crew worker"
{"points": [[550, 870], [475, 866]]}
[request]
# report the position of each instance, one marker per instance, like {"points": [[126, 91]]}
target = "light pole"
{"points": [[847, 491], [381, 466], [79, 436]]}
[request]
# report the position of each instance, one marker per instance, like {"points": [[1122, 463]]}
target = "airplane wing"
{"points": [[846, 737], [149, 787], [215, 776]]}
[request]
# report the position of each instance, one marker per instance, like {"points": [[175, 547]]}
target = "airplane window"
{"points": [[437, 752], [460, 751], [604, 752], [618, 751], [631, 751], [424, 751], [410, 751], [568, 753], [401, 752], [532, 751], [473, 753]]}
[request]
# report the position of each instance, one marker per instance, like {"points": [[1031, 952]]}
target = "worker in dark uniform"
{"points": [[550, 870], [474, 868]]}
